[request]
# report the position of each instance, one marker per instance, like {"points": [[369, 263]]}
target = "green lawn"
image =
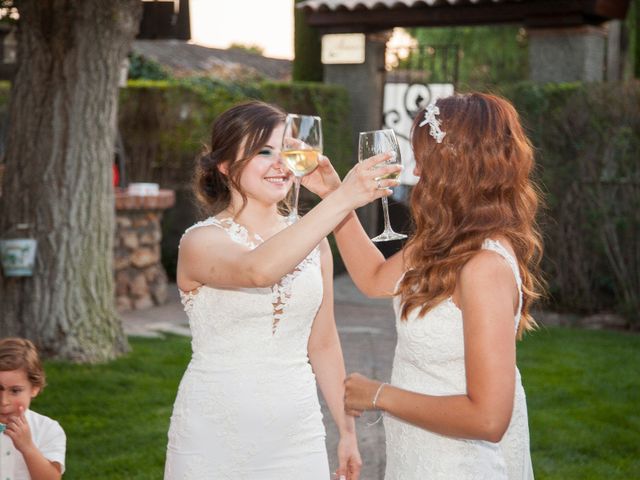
{"points": [[583, 393], [116, 415], [582, 386]]}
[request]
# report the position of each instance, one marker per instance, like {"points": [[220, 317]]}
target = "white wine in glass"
{"points": [[301, 162], [301, 148], [373, 143]]}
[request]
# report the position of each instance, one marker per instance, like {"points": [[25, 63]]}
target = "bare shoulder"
{"points": [[202, 237], [207, 256], [206, 244], [487, 275], [485, 266]]}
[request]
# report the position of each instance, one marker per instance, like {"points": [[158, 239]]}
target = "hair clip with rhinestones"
{"points": [[434, 124]]}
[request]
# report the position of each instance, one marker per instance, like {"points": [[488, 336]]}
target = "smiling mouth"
{"points": [[279, 180]]}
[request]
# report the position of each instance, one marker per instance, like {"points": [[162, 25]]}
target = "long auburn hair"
{"points": [[237, 135], [474, 185]]}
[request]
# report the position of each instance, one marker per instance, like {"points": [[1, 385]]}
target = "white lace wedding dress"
{"points": [[247, 407], [429, 359]]}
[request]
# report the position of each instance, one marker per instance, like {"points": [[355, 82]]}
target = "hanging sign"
{"points": [[343, 48]]}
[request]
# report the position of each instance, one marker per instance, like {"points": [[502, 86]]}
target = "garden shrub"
{"points": [[587, 139]]}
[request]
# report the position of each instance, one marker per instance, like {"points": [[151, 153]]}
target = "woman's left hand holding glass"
{"points": [[349, 461]]}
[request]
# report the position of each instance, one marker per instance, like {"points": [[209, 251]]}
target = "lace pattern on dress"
{"points": [[281, 291], [497, 247], [236, 232], [187, 298]]}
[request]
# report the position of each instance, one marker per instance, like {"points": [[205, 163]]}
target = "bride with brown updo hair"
{"points": [[462, 289], [257, 289]]}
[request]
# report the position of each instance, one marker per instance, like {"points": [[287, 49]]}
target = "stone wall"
{"points": [[567, 54], [140, 279]]}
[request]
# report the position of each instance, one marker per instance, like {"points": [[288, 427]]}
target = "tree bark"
{"points": [[58, 174]]}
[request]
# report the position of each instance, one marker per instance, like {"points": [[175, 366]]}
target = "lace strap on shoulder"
{"points": [[236, 232], [204, 223], [497, 247]]}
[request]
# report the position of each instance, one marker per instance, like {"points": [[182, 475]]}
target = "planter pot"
{"points": [[18, 256], [143, 189]]}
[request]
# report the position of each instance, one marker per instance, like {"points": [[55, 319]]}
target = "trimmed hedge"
{"points": [[164, 124], [587, 139]]}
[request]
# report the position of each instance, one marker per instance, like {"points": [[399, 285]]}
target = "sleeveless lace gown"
{"points": [[247, 405], [429, 359]]}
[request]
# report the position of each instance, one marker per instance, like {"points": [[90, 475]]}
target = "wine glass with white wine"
{"points": [[373, 143], [301, 147]]}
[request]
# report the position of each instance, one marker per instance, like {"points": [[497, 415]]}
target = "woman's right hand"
{"points": [[361, 185], [323, 180]]}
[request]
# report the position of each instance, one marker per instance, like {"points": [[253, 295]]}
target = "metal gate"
{"points": [[416, 77]]}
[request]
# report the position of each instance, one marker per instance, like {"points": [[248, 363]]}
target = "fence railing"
{"points": [[423, 64]]}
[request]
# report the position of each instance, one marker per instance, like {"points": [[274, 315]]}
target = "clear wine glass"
{"points": [[373, 143], [301, 147]]}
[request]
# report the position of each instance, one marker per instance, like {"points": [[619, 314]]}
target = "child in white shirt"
{"points": [[32, 446]]}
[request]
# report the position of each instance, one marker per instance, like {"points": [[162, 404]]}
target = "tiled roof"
{"points": [[362, 15], [388, 4], [184, 58]]}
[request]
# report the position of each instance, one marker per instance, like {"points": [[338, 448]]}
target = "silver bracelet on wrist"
{"points": [[375, 397]]}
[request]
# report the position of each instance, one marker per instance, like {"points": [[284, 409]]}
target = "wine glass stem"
{"points": [[296, 195], [385, 211]]}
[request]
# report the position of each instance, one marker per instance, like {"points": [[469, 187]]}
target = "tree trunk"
{"points": [[58, 174]]}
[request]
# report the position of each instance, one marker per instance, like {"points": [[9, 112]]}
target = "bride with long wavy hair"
{"points": [[476, 185], [462, 289]]}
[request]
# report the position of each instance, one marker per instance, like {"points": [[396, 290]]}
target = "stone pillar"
{"points": [[365, 84], [567, 54], [140, 279], [614, 51]]}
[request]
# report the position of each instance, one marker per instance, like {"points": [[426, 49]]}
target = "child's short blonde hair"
{"points": [[20, 353]]}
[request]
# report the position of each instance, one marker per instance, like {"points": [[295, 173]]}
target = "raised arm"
{"points": [[374, 275], [210, 259]]}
